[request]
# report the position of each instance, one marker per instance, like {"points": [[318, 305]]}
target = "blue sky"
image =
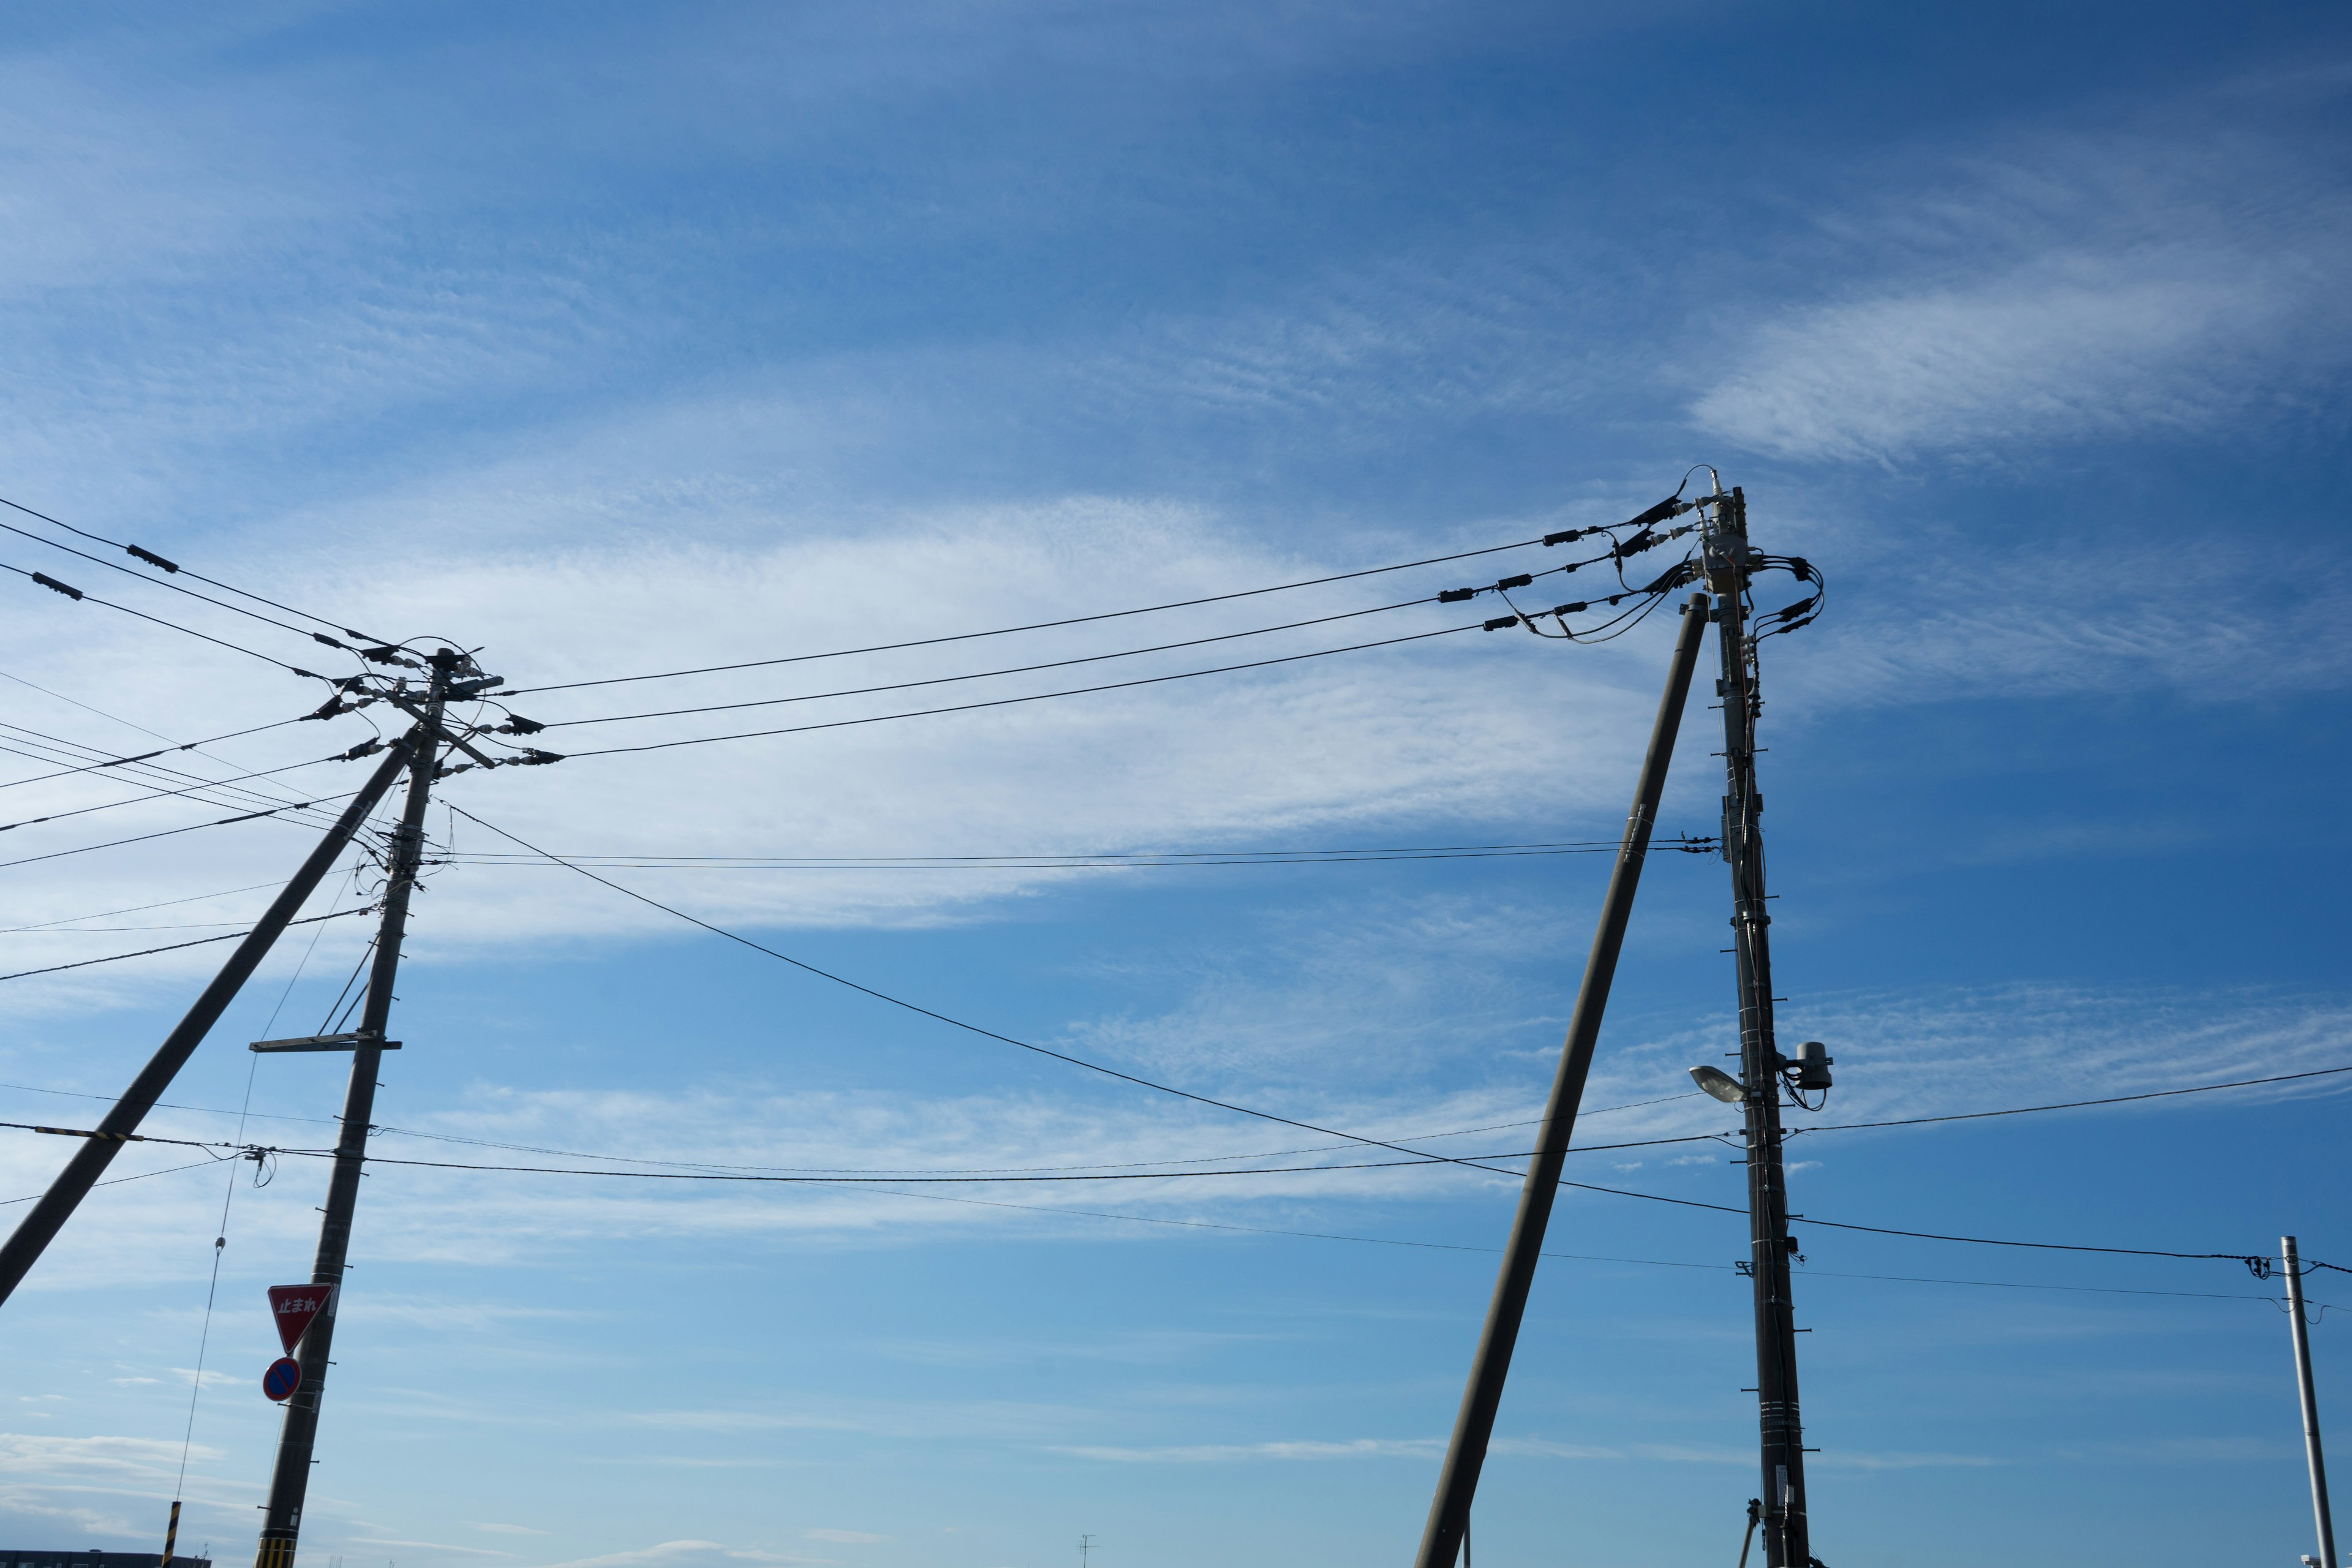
{"points": [[617, 339]]}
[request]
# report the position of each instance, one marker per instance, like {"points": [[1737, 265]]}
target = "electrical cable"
{"points": [[1042, 863], [972, 1170], [135, 909], [160, 582], [959, 1024], [1032, 627], [165, 793], [1038, 1172], [1418, 1154], [1573, 1257], [174, 947], [116, 1181], [144, 756], [79, 596], [1035, 696], [167, 833], [150, 774], [988, 674], [148, 555], [142, 765]]}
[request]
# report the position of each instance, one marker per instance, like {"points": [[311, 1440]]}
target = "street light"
{"points": [[1720, 1083]]}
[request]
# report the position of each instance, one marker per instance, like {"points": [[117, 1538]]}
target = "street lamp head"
{"points": [[1718, 1083]]}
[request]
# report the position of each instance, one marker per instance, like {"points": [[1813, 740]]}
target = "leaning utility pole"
{"points": [[289, 1483], [1727, 562], [37, 1229], [1442, 1539], [2310, 1401]]}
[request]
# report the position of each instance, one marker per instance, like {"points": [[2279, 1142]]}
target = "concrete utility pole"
{"points": [[1442, 1538], [2310, 1401], [289, 1483], [38, 1228], [1727, 556]]}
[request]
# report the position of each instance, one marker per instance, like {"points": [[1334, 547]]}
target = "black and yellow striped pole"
{"points": [[171, 1535]]}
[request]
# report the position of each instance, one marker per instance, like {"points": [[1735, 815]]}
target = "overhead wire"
{"points": [[167, 833], [1417, 1155], [149, 773], [138, 553], [161, 583], [142, 762], [958, 1022], [144, 756], [79, 596], [907, 1172], [1034, 697], [1032, 626], [1073, 862], [1570, 1257], [165, 793], [987, 674], [171, 947]]}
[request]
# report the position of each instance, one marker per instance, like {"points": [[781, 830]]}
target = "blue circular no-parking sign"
{"points": [[284, 1376]]}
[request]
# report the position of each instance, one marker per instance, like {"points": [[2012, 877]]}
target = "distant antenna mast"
{"points": [[1086, 1546]]}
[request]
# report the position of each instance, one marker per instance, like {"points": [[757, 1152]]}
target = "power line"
{"points": [[157, 582], [1128, 1164], [133, 910], [77, 596], [1573, 1257], [142, 770], [1045, 625], [48, 748], [1041, 696], [174, 947], [166, 794], [958, 1022], [1173, 861], [898, 1171], [990, 674], [2258, 1263], [144, 756], [152, 559], [168, 833], [1418, 1154], [2077, 1104]]}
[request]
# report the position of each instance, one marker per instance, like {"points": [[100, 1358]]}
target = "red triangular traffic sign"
{"points": [[294, 1306]]}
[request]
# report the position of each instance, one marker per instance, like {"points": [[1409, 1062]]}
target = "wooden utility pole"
{"points": [[1727, 562], [290, 1482]]}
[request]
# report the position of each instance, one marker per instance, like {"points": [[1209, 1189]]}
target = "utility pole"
{"points": [[2310, 1401], [38, 1228], [1085, 1549], [289, 1483], [1728, 565], [1442, 1538]]}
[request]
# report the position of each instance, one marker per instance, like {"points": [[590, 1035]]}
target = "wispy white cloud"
{"points": [[2077, 287]]}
